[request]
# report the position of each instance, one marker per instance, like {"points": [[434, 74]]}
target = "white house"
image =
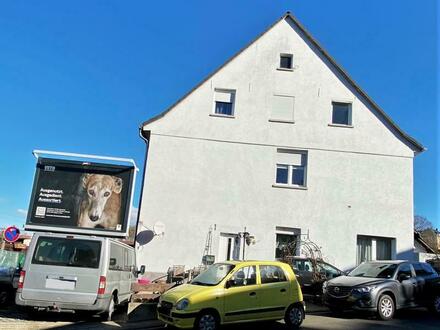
{"points": [[281, 143]]}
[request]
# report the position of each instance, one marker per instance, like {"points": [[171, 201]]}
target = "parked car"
{"points": [[232, 292], [383, 287], [76, 273], [312, 273], [10, 265]]}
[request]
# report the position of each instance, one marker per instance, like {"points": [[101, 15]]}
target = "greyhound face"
{"points": [[99, 188]]}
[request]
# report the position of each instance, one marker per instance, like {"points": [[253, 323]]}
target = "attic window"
{"points": [[224, 102], [286, 61], [341, 114]]}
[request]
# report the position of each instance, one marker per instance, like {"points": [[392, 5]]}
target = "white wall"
{"points": [[207, 171]]}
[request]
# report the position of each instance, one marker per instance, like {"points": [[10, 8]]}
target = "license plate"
{"points": [[52, 283]]}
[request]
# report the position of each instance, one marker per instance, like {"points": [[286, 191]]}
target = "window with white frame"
{"points": [[374, 248], [341, 114], [224, 102], [282, 108], [291, 168]]}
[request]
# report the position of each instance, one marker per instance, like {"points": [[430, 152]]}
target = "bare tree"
{"points": [[421, 223]]}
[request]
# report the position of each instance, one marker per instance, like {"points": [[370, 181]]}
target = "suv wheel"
{"points": [[436, 305], [385, 307], [294, 316], [206, 321]]}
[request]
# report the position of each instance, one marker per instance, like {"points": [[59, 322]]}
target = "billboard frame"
{"points": [[72, 230]]}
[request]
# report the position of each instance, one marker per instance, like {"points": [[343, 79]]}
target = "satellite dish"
{"points": [[159, 228]]}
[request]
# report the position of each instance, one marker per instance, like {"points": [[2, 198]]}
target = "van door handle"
{"points": [[283, 290], [252, 294]]}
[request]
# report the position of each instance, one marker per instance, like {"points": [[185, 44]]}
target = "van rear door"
{"points": [[64, 269]]}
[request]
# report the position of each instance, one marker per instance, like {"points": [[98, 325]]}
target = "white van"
{"points": [[77, 273]]}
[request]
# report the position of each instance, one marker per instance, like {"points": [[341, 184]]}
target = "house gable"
{"points": [[315, 82]]}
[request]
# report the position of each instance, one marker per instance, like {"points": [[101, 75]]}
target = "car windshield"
{"points": [[375, 270], [213, 275], [67, 252]]}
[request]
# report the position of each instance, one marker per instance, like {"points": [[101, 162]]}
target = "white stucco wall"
{"points": [[204, 171]]}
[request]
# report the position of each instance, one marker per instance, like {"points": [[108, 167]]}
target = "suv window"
{"points": [[404, 269], [272, 274], [58, 251], [303, 265], [244, 276], [330, 271], [423, 269]]}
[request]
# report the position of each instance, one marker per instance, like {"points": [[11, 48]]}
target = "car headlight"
{"points": [[182, 304], [364, 289]]}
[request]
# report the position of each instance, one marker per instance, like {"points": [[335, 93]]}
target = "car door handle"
{"points": [[283, 290], [252, 294]]}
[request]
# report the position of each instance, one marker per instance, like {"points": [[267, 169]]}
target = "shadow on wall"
{"points": [[409, 255]]}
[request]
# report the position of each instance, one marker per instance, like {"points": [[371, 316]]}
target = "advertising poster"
{"points": [[80, 197]]}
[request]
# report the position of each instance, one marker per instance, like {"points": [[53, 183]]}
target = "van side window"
{"points": [[272, 274], [116, 257]]}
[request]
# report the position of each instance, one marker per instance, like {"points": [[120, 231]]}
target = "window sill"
{"points": [[219, 115], [285, 69], [340, 125], [282, 121], [277, 185]]}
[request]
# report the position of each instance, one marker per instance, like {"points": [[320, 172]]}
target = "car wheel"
{"points": [[294, 316], [385, 307], [4, 297], [206, 321]]}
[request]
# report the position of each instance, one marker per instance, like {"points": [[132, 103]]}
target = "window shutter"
{"points": [[282, 108], [290, 158], [224, 96]]}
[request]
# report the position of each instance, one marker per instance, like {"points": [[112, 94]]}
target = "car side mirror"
{"points": [[229, 283], [403, 277], [141, 270]]}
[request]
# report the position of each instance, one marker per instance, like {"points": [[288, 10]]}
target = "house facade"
{"points": [[277, 145]]}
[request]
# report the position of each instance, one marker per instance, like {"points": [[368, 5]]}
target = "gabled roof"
{"points": [[422, 242], [416, 146]]}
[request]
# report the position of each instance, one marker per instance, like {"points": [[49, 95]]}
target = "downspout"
{"points": [[144, 135]]}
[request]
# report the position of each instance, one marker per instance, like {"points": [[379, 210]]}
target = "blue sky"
{"points": [[80, 76]]}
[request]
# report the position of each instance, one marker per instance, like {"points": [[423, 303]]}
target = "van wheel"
{"points": [[206, 321], [107, 315], [294, 316], [385, 308]]}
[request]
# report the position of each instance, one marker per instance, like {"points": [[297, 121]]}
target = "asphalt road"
{"points": [[408, 319]]}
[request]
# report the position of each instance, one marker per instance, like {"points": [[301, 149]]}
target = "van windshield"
{"points": [[59, 251]]}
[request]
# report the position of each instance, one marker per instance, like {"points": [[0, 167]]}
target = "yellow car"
{"points": [[232, 292]]}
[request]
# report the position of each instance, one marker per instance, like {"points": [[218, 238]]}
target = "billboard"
{"points": [[81, 197]]}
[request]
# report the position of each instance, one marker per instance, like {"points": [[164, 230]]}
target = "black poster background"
{"points": [[66, 176]]}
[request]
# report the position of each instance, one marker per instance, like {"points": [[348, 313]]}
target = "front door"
{"points": [[408, 284], [241, 297], [229, 247]]}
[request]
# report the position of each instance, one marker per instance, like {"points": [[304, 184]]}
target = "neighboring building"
{"points": [[279, 142]]}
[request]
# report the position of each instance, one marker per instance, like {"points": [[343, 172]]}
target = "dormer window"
{"points": [[286, 61]]}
